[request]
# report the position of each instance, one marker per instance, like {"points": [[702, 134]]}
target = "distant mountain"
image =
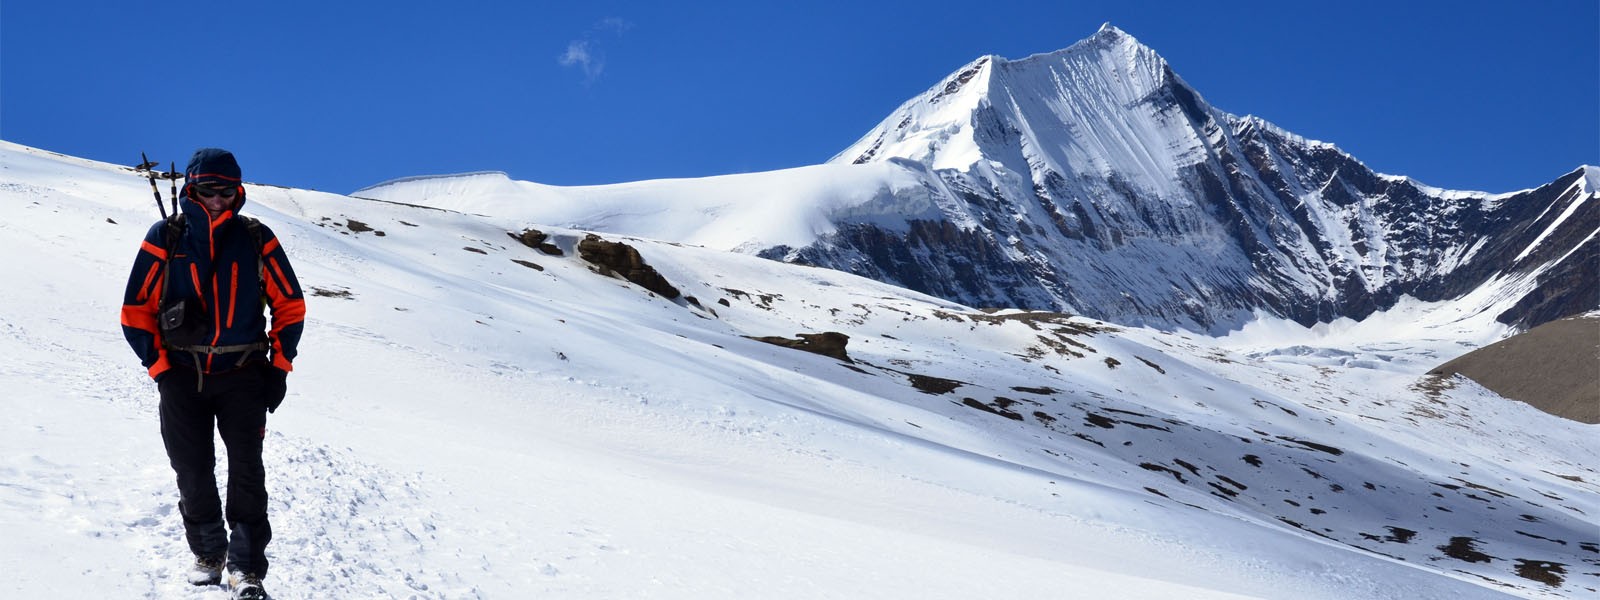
{"points": [[1093, 180]]}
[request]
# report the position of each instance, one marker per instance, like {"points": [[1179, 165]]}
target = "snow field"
{"points": [[461, 425]]}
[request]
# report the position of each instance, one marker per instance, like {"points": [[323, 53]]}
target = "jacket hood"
{"points": [[214, 166]]}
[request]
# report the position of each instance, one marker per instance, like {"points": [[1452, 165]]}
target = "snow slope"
{"points": [[460, 424]]}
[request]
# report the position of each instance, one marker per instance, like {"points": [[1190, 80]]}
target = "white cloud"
{"points": [[578, 55], [584, 53], [613, 24]]}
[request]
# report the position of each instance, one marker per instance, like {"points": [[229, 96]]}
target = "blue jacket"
{"points": [[215, 264]]}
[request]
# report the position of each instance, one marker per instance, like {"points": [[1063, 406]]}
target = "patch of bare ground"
{"points": [[1465, 549], [828, 343], [1552, 574], [929, 384], [1152, 365], [1554, 367], [991, 408], [332, 293]]}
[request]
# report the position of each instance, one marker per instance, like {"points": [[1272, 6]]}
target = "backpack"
{"points": [[183, 324]]}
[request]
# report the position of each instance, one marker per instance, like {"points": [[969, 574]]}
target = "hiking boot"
{"points": [[206, 571], [246, 586]]}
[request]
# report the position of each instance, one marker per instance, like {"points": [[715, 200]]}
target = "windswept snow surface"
{"points": [[461, 425], [753, 211]]}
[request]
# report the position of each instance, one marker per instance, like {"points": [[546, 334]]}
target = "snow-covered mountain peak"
{"points": [[1591, 179], [1110, 42], [1094, 108], [1101, 150], [1107, 29]]}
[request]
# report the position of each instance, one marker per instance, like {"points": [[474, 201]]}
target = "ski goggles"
{"points": [[208, 193]]}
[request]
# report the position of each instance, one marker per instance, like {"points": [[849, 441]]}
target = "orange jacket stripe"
{"points": [[158, 251], [216, 175], [145, 289], [233, 284], [285, 312], [279, 361], [194, 274], [141, 317], [277, 270], [274, 289], [161, 365]]}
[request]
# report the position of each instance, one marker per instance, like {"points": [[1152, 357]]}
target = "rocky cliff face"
{"points": [[1094, 180]]}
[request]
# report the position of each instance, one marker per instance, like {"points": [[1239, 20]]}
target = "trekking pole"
{"points": [[172, 173], [153, 189]]}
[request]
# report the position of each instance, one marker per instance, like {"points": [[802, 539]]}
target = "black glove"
{"points": [[274, 384]]}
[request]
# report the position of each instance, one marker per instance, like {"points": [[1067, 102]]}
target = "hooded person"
{"points": [[192, 311]]}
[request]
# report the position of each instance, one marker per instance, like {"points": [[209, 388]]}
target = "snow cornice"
{"points": [[414, 178]]}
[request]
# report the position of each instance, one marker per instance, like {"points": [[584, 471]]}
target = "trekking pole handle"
{"points": [[153, 189]]}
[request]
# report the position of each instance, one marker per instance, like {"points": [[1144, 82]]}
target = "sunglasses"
{"points": [[209, 193]]}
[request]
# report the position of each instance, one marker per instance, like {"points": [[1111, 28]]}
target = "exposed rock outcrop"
{"points": [[621, 259], [537, 240], [827, 343]]}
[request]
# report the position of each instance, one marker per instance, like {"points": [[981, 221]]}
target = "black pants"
{"points": [[232, 401]]}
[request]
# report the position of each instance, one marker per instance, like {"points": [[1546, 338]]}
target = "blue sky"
{"points": [[1492, 96]]}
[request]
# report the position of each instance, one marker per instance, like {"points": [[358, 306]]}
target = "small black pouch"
{"points": [[183, 324]]}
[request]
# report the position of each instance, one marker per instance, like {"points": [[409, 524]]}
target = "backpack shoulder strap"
{"points": [[176, 224], [170, 236], [253, 225]]}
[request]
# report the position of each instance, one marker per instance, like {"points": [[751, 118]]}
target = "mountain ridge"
{"points": [[1248, 177], [1094, 180]]}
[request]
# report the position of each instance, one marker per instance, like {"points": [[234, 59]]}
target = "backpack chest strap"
{"points": [[262, 346]]}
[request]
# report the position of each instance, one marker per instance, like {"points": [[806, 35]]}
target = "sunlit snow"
{"points": [[462, 425]]}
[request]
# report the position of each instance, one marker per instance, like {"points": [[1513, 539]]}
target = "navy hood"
{"points": [[214, 166]]}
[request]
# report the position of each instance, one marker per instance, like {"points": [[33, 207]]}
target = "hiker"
{"points": [[193, 313]]}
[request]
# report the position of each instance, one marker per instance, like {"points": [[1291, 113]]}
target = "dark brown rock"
{"points": [[529, 237], [621, 259], [537, 240], [827, 343], [929, 384]]}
